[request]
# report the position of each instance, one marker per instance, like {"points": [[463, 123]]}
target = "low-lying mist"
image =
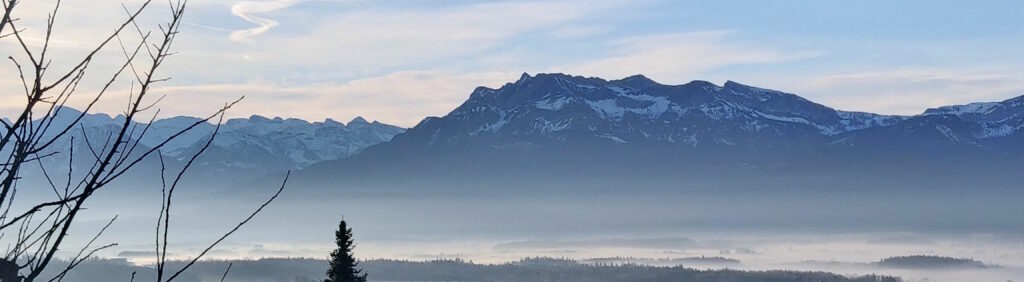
{"points": [[842, 232]]}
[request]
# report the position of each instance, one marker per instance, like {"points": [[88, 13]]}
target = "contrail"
{"points": [[247, 10]]}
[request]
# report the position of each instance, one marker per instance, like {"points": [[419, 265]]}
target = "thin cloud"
{"points": [[680, 57], [909, 90], [400, 98], [370, 41], [248, 10], [400, 63], [209, 27]]}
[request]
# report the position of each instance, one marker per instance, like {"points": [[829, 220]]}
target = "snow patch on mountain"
{"points": [[612, 108], [560, 108], [946, 131], [546, 126], [295, 143], [990, 130], [853, 121], [503, 120], [980, 108], [553, 104], [614, 138]]}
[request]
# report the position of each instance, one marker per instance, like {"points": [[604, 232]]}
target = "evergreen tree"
{"points": [[343, 264]]}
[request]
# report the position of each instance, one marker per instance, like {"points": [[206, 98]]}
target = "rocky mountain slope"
{"points": [[571, 127]]}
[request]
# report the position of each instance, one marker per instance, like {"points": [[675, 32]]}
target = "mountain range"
{"points": [[557, 126], [243, 147], [559, 109]]}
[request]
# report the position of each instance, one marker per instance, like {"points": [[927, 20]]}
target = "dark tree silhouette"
{"points": [[343, 263]]}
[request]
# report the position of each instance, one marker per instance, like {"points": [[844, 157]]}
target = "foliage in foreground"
{"points": [[344, 267]]}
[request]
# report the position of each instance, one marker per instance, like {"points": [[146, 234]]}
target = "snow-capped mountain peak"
{"points": [[993, 119], [252, 142], [980, 108], [558, 109], [358, 120], [562, 107]]}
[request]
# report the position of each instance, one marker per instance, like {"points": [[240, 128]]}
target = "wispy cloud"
{"points": [[401, 62], [680, 57], [909, 90], [249, 10], [401, 98], [374, 40]]}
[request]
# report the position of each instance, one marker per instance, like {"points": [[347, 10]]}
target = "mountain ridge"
{"points": [[543, 124], [542, 97], [635, 128], [255, 145]]}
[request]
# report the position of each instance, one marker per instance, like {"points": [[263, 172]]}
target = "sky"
{"points": [[400, 61]]}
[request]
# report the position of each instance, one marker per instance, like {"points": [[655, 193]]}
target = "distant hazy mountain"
{"points": [[247, 146], [289, 143], [560, 125]]}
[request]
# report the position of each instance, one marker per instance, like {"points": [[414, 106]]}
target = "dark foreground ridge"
{"points": [[546, 269], [931, 262], [527, 270]]}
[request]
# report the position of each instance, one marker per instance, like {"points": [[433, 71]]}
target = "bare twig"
{"points": [[37, 133], [232, 231], [222, 277]]}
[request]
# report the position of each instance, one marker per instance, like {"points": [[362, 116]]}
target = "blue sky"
{"points": [[399, 61]]}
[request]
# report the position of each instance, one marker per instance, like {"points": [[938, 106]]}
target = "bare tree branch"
{"points": [[222, 277], [232, 231], [38, 133]]}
